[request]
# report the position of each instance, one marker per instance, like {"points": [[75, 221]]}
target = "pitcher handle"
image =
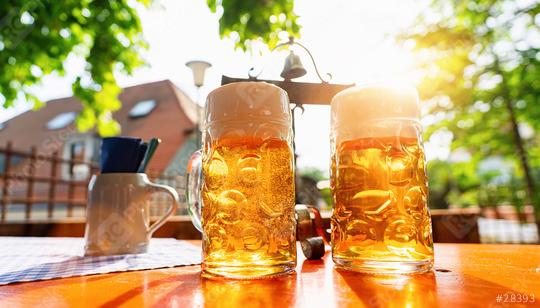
{"points": [[170, 211], [193, 188]]}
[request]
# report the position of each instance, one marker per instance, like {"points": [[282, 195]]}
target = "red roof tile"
{"points": [[174, 114]]}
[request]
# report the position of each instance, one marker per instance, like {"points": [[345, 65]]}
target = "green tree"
{"points": [[36, 37], [256, 20], [481, 65]]}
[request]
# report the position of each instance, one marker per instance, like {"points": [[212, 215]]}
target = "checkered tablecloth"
{"points": [[35, 258]]}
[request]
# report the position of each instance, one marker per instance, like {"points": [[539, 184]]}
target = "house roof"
{"points": [[173, 115]]}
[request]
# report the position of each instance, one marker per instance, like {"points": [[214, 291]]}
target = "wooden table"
{"points": [[465, 275]]}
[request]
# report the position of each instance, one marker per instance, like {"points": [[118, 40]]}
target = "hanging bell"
{"points": [[293, 67]]}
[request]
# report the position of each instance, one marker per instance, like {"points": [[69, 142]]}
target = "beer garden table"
{"points": [[465, 275]]}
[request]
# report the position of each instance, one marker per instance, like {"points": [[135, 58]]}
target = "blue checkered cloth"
{"points": [[35, 258]]}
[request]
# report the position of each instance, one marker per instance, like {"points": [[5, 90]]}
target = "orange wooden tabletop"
{"points": [[465, 275]]}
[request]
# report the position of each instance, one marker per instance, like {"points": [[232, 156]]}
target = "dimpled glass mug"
{"points": [[240, 186], [380, 221]]}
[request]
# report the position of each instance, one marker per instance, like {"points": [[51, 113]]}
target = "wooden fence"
{"points": [[18, 183]]}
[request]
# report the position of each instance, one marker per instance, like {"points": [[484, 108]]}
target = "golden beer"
{"points": [[248, 213], [241, 185], [380, 220]]}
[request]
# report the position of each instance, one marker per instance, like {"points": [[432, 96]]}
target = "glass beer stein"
{"points": [[380, 221], [240, 186]]}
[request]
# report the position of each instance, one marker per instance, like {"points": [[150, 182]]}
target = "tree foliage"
{"points": [[253, 20], [37, 36], [481, 62]]}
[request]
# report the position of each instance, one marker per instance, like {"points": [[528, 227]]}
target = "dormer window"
{"points": [[62, 120], [142, 109]]}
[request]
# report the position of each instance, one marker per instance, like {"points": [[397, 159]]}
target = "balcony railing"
{"points": [[34, 188]]}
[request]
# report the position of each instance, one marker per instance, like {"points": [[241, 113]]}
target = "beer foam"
{"points": [[354, 108], [259, 101]]}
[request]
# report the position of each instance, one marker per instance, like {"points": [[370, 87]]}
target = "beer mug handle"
{"points": [[172, 208], [193, 188]]}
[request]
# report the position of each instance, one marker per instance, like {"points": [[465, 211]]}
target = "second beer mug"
{"points": [[380, 222], [240, 187]]}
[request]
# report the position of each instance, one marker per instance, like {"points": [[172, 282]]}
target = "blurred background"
{"points": [[72, 72]]}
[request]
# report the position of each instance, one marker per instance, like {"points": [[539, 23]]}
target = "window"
{"points": [[77, 152], [79, 147], [2, 125], [62, 120], [13, 162], [142, 109]]}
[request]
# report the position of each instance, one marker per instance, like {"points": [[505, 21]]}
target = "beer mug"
{"points": [[240, 186], [380, 221], [118, 213]]}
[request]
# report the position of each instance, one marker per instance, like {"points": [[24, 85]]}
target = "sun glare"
{"points": [[388, 62]]}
